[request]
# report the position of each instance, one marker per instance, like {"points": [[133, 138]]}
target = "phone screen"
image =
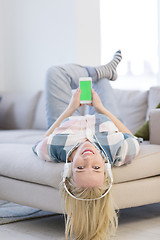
{"points": [[85, 86]]}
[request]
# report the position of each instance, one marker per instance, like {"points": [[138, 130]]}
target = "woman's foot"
{"points": [[109, 70]]}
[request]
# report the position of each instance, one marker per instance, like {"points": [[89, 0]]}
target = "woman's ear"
{"points": [[70, 159]]}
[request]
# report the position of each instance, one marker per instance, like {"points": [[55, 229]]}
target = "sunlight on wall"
{"points": [[131, 26]]}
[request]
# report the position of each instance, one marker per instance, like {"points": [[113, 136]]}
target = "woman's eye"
{"points": [[80, 167], [96, 167]]}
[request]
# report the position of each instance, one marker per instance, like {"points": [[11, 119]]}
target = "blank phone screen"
{"points": [[85, 87]]}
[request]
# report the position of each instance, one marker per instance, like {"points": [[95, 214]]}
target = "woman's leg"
{"points": [[108, 70], [60, 82], [62, 79]]}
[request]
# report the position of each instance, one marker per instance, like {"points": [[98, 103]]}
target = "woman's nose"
{"points": [[88, 159], [88, 156]]}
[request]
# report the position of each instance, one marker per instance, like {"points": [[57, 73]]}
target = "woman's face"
{"points": [[87, 166]]}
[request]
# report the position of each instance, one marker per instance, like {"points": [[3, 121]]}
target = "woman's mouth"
{"points": [[87, 151]]}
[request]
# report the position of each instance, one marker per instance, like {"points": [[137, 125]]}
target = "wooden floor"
{"points": [[142, 223]]}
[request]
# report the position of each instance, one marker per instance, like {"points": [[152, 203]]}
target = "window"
{"points": [[131, 26]]}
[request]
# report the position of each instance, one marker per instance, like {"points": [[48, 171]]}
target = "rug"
{"points": [[11, 212]]}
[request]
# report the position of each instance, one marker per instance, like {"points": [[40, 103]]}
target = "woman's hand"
{"points": [[96, 102], [75, 100]]}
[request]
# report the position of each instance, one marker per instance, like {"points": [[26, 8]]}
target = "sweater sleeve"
{"points": [[34, 148], [40, 149], [128, 150]]}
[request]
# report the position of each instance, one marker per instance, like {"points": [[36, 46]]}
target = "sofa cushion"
{"points": [[21, 136], [19, 162], [153, 99], [146, 164], [40, 121], [143, 131], [154, 128], [17, 110], [133, 107]]}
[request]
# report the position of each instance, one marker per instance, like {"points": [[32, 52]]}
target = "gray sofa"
{"points": [[27, 180]]}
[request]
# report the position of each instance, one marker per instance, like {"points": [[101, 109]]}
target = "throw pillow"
{"points": [[143, 131]]}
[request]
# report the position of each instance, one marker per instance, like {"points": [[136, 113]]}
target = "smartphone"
{"points": [[85, 84]]}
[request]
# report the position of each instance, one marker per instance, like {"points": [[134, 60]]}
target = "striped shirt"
{"points": [[119, 148]]}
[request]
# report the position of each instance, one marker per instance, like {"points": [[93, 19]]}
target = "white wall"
{"points": [[158, 3], [2, 87], [88, 32], [40, 33]]}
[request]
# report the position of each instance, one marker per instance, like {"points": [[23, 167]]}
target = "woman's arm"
{"points": [[121, 127], [97, 104], [73, 105], [41, 147]]}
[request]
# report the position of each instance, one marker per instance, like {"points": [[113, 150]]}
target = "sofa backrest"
{"points": [[17, 110], [133, 106], [40, 120], [27, 111]]}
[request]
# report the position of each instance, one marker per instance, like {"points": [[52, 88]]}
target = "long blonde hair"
{"points": [[86, 220]]}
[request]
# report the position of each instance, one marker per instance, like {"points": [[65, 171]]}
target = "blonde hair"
{"points": [[94, 219]]}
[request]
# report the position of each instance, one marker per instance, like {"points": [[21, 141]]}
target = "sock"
{"points": [[109, 70]]}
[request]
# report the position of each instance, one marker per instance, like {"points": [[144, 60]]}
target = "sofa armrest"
{"points": [[154, 126]]}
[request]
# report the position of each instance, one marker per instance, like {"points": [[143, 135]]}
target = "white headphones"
{"points": [[68, 172]]}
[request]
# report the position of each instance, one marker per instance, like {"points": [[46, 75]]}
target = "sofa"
{"points": [[27, 180]]}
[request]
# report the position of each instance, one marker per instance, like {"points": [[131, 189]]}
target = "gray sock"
{"points": [[109, 70]]}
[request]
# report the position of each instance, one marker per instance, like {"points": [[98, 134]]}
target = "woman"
{"points": [[88, 144]]}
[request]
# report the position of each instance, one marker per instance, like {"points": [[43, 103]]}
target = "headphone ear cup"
{"points": [[67, 171], [109, 171]]}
